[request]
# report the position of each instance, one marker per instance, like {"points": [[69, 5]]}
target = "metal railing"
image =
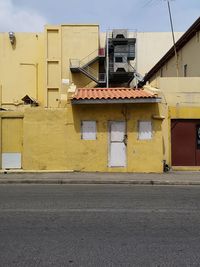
{"points": [[98, 77], [80, 63], [92, 56], [102, 77], [93, 73], [88, 71]]}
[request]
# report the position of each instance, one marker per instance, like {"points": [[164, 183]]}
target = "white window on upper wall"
{"points": [[88, 130], [144, 130]]}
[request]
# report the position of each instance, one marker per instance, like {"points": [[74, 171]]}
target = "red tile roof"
{"points": [[111, 93]]}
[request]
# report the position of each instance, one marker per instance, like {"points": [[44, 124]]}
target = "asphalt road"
{"points": [[99, 225]]}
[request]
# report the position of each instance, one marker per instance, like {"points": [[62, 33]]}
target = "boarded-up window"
{"points": [[88, 130], [145, 130], [11, 160]]}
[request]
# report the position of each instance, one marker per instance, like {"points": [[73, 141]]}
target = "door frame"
{"points": [[109, 143]]}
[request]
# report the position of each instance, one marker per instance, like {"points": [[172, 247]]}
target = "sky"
{"points": [[140, 15]]}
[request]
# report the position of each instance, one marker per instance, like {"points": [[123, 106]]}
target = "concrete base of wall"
{"points": [[186, 168]]}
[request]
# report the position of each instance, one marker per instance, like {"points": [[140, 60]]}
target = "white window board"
{"points": [[88, 130], [11, 160], [145, 130]]}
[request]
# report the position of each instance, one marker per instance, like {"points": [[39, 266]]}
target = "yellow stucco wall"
{"points": [[78, 42], [52, 138], [37, 64], [180, 100], [181, 91], [62, 44], [12, 135], [21, 68]]}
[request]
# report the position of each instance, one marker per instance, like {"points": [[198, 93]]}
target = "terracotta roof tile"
{"points": [[111, 93]]}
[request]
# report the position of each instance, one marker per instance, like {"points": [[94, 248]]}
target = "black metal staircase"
{"points": [[121, 52], [83, 66]]}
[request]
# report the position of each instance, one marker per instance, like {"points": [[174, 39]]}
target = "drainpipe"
{"points": [[0, 96], [107, 60], [36, 78], [0, 128]]}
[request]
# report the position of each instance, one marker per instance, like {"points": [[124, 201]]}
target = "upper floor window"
{"points": [[185, 70], [118, 59], [197, 36]]}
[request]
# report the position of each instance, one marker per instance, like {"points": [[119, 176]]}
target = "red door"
{"points": [[198, 144], [185, 142]]}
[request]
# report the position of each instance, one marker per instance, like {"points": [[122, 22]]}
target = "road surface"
{"points": [[99, 225]]}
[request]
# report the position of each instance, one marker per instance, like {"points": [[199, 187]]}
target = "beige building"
{"points": [[185, 64], [151, 47]]}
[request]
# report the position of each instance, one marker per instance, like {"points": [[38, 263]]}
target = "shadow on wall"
{"points": [[103, 113]]}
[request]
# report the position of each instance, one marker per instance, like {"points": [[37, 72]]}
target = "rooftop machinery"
{"points": [[120, 52]]}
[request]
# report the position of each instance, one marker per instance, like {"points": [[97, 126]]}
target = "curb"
{"points": [[114, 182]]}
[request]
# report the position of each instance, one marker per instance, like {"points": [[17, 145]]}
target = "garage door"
{"points": [[185, 142]]}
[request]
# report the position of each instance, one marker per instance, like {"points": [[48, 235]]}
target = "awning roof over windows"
{"points": [[113, 95]]}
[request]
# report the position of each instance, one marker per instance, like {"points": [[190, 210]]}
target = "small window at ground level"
{"points": [[145, 130], [118, 59], [88, 130]]}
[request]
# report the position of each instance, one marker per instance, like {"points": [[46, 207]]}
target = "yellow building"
{"points": [[49, 122], [103, 135], [95, 134], [176, 77]]}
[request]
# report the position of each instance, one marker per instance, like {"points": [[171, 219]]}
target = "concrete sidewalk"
{"points": [[170, 178]]}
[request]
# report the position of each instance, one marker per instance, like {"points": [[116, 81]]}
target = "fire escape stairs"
{"points": [[83, 66], [89, 73]]}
